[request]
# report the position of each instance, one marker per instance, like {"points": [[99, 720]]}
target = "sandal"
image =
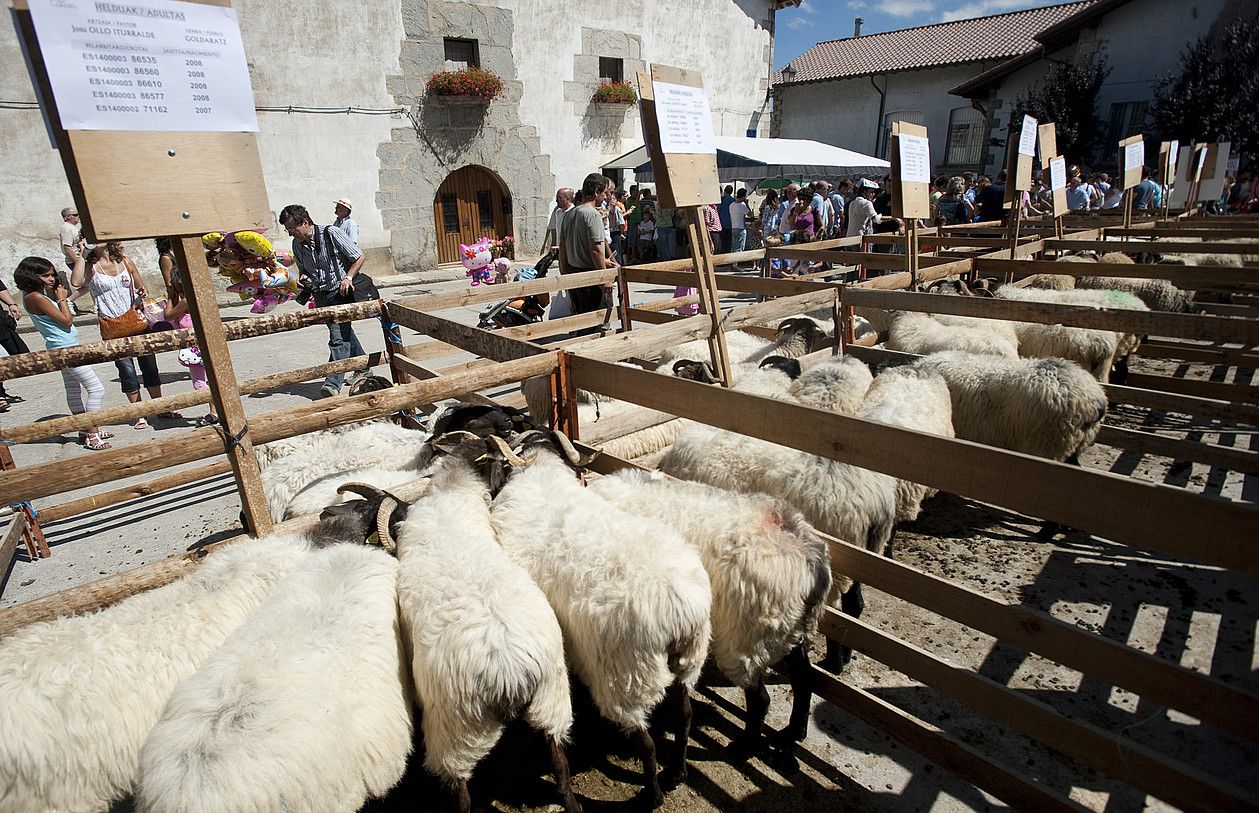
{"points": [[140, 423], [95, 444], [103, 435]]}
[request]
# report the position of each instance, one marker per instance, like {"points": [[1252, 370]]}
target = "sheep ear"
{"points": [[340, 509]]}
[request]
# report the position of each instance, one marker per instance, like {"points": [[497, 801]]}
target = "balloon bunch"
{"points": [[256, 270]]}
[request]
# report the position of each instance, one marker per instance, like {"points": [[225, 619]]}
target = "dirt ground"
{"points": [[1201, 617]]}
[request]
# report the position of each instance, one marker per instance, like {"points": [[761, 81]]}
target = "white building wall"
{"points": [[845, 112], [339, 55]]}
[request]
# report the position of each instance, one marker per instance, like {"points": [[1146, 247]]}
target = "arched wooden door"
{"points": [[471, 203]]}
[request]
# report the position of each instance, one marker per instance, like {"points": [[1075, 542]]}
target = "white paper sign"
{"points": [[1173, 154], [145, 65], [1057, 173], [1134, 156], [1027, 137], [915, 158], [686, 123], [1202, 158]]}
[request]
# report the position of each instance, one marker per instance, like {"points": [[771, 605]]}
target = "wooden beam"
{"points": [[1227, 707], [8, 545], [718, 259], [950, 753], [1164, 247], [554, 327], [48, 361], [1237, 393], [485, 343], [508, 290], [1171, 520], [115, 464], [1140, 766], [1141, 323], [1183, 276], [224, 389], [1184, 231], [728, 283], [1209, 354], [84, 505], [1225, 457]]}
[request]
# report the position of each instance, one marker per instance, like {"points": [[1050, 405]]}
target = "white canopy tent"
{"points": [[757, 159]]}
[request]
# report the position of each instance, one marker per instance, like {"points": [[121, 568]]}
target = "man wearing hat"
{"points": [[344, 222], [861, 214]]}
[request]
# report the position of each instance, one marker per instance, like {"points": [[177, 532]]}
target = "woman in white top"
{"points": [[115, 283]]}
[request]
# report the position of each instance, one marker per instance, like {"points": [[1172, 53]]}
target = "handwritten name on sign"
{"points": [[686, 123], [151, 65]]}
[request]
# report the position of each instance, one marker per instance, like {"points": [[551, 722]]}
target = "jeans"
{"points": [[738, 239], [342, 344], [618, 247], [127, 373], [665, 241]]}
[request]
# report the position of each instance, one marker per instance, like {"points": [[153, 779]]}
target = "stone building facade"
{"points": [[309, 63]]}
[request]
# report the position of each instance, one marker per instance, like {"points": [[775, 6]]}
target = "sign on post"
{"points": [[678, 131], [1047, 135], [1131, 160], [910, 157], [148, 101], [1058, 184]]}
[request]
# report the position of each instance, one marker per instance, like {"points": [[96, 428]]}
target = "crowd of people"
{"points": [[328, 258]]}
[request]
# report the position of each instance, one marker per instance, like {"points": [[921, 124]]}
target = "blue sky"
{"points": [[798, 29]]}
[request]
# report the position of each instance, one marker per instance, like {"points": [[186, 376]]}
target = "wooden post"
{"points": [[706, 278], [32, 534], [622, 285], [568, 423], [1016, 214], [224, 391]]}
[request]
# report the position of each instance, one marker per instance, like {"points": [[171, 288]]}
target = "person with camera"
{"points": [[331, 269], [47, 300]]}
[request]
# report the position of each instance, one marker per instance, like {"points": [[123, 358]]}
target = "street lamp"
{"points": [[789, 73]]}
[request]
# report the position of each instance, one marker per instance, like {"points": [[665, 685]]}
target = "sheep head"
{"points": [[369, 383], [368, 520], [789, 366], [692, 370]]}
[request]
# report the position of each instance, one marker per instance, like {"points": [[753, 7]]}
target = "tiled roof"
{"points": [[999, 36]]}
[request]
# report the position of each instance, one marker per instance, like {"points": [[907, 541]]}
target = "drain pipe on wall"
{"points": [[878, 124]]}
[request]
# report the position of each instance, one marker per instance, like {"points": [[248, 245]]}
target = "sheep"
{"points": [[770, 575], [797, 336], [921, 333], [632, 598], [81, 693], [377, 443], [739, 345], [1050, 282], [303, 707], [327, 490], [839, 499], [485, 644], [837, 384], [1088, 347], [916, 399], [1046, 407], [1157, 294]]}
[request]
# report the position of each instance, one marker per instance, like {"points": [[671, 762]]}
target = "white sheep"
{"points": [[770, 576], [922, 333], [632, 598], [375, 444], [326, 490], [845, 501], [1157, 294], [916, 399], [1082, 345], [485, 644], [81, 693], [1044, 407], [304, 707], [739, 345], [1050, 282], [837, 384]]}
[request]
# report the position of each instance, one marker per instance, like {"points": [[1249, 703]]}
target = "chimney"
{"points": [[856, 26]]}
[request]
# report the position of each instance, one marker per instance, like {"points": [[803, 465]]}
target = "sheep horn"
{"points": [[518, 441], [364, 490], [383, 514], [508, 452], [571, 452]]}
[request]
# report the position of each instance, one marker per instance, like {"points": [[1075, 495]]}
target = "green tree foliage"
{"points": [[1067, 97], [1215, 97]]}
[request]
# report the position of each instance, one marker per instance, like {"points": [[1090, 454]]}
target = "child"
{"points": [[647, 234], [177, 316]]}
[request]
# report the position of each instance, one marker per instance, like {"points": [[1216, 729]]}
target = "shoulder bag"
{"points": [[364, 288]]}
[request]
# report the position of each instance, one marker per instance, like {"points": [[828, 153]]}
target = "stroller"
{"points": [[523, 311]]}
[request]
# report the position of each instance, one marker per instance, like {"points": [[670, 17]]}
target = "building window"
{"points": [[450, 212], [462, 54], [966, 137], [485, 209], [1126, 119], [611, 69]]}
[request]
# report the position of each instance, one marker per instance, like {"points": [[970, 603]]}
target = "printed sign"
{"points": [[1173, 153], [915, 155], [1027, 137], [1134, 156], [161, 65], [1057, 173], [686, 123]]}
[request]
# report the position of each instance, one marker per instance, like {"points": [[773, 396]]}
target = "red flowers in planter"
{"points": [[615, 93], [475, 82]]}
